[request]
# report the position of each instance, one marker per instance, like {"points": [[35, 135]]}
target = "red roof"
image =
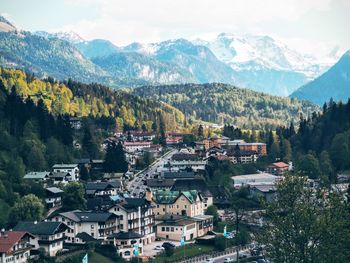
{"points": [[280, 165], [9, 238]]}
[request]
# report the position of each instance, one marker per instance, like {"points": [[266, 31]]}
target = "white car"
{"points": [[159, 248], [208, 260], [227, 260]]}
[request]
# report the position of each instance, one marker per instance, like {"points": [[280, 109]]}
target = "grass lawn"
{"points": [[190, 251], [98, 258]]}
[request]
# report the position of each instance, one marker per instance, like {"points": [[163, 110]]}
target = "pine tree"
{"points": [[115, 161]]}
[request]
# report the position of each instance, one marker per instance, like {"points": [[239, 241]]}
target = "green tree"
{"points": [[304, 226], [339, 151], [286, 151], [308, 165], [74, 197], [36, 160], [200, 132], [89, 143], [115, 161], [28, 208], [326, 168]]}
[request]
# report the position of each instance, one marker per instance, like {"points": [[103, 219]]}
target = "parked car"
{"points": [[242, 255], [209, 260], [159, 248], [227, 260]]}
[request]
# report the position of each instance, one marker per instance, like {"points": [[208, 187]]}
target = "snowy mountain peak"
{"points": [[69, 36]]}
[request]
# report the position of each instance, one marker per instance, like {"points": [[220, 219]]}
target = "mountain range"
{"points": [[260, 63], [335, 84]]}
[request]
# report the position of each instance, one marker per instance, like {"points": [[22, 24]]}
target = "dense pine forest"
{"points": [[222, 103], [321, 144]]}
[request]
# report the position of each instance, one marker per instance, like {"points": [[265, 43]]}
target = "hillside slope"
{"points": [[222, 103]]}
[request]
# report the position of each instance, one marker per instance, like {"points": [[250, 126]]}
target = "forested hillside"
{"points": [[78, 99], [221, 103], [321, 146]]}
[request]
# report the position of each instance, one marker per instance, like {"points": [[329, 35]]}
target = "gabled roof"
{"points": [[99, 186], [170, 197], [9, 238], [86, 237], [125, 235], [64, 165], [185, 156], [54, 190], [41, 228], [279, 165], [192, 184], [37, 175], [160, 182], [178, 174], [82, 216]]}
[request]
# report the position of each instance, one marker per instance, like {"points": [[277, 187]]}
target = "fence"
{"points": [[215, 254]]}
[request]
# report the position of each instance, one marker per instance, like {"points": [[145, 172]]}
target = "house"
{"points": [[37, 176], [72, 169], [142, 135], [237, 155], [174, 226], [177, 174], [15, 246], [135, 215], [182, 161], [173, 141], [97, 224], [53, 197], [267, 192], [278, 168], [125, 243], [258, 147], [133, 147], [49, 236], [60, 177], [255, 179], [187, 203], [75, 123], [197, 184], [157, 184], [103, 188]]}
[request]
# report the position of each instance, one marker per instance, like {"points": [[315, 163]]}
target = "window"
{"points": [[121, 217], [163, 228], [167, 229], [172, 229]]}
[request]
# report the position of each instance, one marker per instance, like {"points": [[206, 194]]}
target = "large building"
{"points": [[98, 225], [135, 215], [173, 227], [186, 203], [278, 168]]}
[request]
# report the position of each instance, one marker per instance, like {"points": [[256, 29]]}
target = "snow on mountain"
{"points": [[69, 36], [249, 51]]}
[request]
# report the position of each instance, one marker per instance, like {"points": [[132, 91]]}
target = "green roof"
{"points": [[169, 197], [36, 175]]}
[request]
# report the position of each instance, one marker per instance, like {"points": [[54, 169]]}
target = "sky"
{"points": [[312, 26]]}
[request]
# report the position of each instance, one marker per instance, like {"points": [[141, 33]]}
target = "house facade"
{"points": [[98, 225], [15, 246], [186, 203], [135, 215], [49, 236], [71, 169]]}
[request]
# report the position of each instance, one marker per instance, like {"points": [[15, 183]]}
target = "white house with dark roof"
{"points": [[49, 236], [53, 197], [99, 225], [125, 243], [72, 169], [135, 215], [103, 188]]}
